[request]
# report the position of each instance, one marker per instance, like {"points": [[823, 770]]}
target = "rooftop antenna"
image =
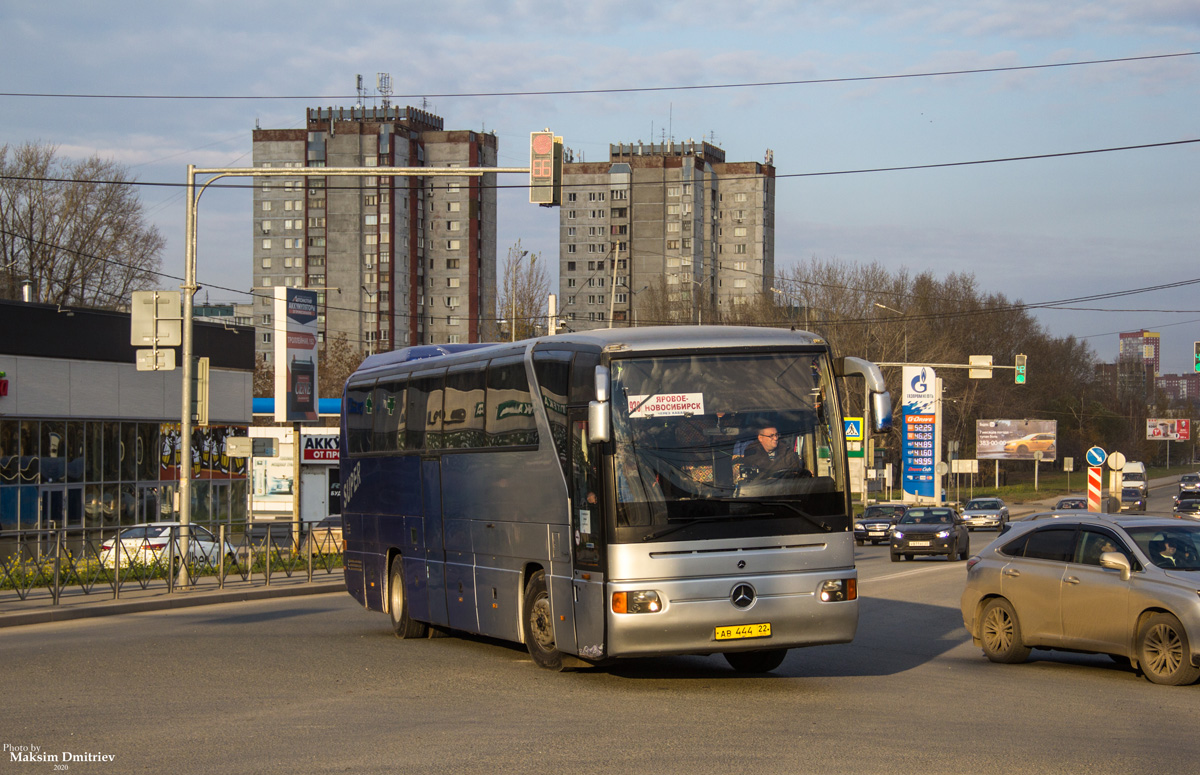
{"points": [[361, 91], [383, 84]]}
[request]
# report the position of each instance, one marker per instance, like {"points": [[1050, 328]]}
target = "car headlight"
{"points": [[643, 601], [897, 534], [943, 534], [859, 526]]}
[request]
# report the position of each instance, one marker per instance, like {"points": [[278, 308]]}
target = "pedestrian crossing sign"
{"points": [[853, 428]]}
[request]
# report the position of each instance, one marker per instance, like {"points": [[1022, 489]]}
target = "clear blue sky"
{"points": [[1038, 231]]}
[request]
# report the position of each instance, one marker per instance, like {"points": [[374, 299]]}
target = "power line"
{"points": [[622, 90], [936, 165]]}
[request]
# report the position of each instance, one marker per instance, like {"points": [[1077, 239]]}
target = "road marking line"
{"points": [[913, 572]]}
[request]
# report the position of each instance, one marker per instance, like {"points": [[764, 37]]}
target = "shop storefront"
{"points": [[87, 440]]}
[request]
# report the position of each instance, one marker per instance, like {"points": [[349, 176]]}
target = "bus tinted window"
{"points": [[389, 417], [358, 418], [553, 369], [583, 378], [424, 412], [510, 421], [462, 420]]}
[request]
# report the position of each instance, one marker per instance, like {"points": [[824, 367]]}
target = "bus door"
{"points": [[423, 537], [587, 538]]}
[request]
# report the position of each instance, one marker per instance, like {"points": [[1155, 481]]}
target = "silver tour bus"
{"points": [[608, 494]]}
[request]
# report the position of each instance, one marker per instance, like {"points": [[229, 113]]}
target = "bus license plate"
{"points": [[744, 631]]}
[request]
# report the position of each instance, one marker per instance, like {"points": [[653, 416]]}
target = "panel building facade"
{"points": [[395, 260], [663, 233]]}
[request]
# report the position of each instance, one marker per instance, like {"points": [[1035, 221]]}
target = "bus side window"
{"points": [[553, 370], [424, 412], [360, 408], [510, 421], [463, 419], [583, 379], [389, 417]]}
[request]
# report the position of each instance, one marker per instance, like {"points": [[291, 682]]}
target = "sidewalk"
{"points": [[74, 603]]}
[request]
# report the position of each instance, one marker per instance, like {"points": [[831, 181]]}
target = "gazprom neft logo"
{"points": [[302, 306]]}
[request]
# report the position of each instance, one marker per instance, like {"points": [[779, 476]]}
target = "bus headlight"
{"points": [[645, 601], [838, 590]]}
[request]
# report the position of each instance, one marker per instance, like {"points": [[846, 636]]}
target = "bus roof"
{"points": [[639, 339]]}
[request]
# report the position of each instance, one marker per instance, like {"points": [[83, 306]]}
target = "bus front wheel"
{"points": [[402, 625], [539, 624]]}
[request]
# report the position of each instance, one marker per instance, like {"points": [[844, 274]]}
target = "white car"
{"points": [[148, 543], [985, 512]]}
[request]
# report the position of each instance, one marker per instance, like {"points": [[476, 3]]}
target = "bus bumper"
{"points": [[712, 615]]}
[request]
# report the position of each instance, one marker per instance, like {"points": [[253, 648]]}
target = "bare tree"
{"points": [[74, 229], [338, 362], [524, 288]]}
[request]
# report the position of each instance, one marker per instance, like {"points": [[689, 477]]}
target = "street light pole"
{"points": [[901, 314], [189, 287]]}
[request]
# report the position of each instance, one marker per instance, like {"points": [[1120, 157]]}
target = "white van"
{"points": [[1134, 475]]}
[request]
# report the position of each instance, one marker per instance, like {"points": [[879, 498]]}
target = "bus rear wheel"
{"points": [[402, 625], [755, 661], [539, 624]]}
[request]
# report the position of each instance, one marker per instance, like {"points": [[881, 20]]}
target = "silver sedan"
{"points": [[985, 513]]}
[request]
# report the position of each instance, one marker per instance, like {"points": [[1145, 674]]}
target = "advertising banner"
{"points": [[295, 355], [320, 447], [1168, 430], [1016, 439], [919, 432]]}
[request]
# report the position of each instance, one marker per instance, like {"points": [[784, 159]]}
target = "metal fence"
{"points": [[105, 561]]}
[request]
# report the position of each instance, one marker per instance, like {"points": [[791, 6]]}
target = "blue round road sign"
{"points": [[1096, 456]]}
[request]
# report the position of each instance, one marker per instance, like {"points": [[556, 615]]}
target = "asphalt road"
{"points": [[317, 684]]}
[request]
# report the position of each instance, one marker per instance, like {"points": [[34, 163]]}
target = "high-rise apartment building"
{"points": [[1142, 346], [673, 217], [395, 260]]}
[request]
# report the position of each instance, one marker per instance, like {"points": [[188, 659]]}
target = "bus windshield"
{"points": [[718, 446]]}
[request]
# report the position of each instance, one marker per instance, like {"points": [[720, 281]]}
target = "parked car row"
{"points": [[150, 543]]}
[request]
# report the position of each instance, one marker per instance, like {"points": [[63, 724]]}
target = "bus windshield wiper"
{"points": [[697, 521], [809, 518]]}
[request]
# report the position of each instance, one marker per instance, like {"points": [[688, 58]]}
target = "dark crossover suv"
{"points": [[1132, 499], [875, 524], [930, 530], [1102, 583]]}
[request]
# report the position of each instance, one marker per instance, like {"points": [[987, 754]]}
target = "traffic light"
{"points": [[1196, 352], [1019, 374], [545, 168]]}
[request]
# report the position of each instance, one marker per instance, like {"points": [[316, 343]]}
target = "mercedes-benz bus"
{"points": [[600, 495]]}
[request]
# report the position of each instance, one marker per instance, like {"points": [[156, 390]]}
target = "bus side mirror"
{"points": [[601, 381], [599, 421], [881, 411], [881, 400], [600, 410]]}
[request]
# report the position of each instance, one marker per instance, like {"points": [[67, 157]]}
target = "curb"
{"points": [[165, 602]]}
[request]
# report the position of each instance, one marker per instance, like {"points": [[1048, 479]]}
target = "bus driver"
{"points": [[766, 459]]}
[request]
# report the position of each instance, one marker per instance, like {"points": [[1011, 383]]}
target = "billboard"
{"points": [[1168, 430], [918, 432], [1016, 439], [295, 355]]}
